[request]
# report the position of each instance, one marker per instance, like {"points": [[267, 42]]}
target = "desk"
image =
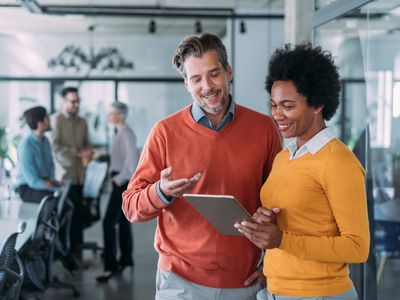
{"points": [[12, 213]]}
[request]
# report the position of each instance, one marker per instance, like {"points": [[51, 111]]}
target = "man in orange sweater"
{"points": [[213, 146]]}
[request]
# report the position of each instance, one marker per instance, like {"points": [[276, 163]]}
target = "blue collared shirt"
{"points": [[313, 145], [201, 118], [35, 162]]}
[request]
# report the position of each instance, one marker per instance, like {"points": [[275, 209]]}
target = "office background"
{"points": [[122, 50]]}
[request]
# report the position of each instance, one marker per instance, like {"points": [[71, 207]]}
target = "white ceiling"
{"points": [[16, 19]]}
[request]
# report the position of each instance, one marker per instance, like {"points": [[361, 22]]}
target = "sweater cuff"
{"points": [[164, 199]]}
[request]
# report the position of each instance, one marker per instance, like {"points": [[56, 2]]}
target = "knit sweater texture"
{"points": [[235, 161], [323, 218]]}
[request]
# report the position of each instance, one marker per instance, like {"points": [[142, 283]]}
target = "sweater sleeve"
{"points": [[140, 201], [344, 186]]}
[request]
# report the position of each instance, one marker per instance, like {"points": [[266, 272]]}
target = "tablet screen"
{"points": [[221, 211]]}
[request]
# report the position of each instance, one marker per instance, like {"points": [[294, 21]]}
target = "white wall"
{"points": [[252, 52], [28, 55]]}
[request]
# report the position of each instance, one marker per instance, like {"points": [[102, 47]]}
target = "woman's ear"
{"points": [[317, 110]]}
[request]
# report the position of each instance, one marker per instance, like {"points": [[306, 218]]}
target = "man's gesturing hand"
{"points": [[176, 187]]}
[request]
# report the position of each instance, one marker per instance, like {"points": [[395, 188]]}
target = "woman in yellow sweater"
{"points": [[314, 219]]}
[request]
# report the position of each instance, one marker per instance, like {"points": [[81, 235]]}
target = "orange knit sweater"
{"points": [[323, 218], [235, 161]]}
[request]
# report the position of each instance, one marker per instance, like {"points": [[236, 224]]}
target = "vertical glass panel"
{"points": [[18, 96], [345, 38], [150, 102], [366, 45]]}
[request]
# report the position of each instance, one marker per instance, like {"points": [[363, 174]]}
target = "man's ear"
{"points": [[186, 84], [230, 75]]}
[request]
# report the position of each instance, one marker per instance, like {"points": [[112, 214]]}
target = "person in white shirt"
{"points": [[124, 159]]}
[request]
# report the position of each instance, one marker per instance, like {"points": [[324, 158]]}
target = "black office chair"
{"points": [[95, 175], [11, 267], [381, 182], [38, 253], [64, 212]]}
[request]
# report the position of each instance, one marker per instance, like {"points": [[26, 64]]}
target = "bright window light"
{"points": [[396, 100]]}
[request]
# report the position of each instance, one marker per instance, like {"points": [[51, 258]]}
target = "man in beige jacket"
{"points": [[71, 148]]}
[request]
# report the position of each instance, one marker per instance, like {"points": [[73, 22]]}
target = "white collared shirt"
{"points": [[313, 145]]}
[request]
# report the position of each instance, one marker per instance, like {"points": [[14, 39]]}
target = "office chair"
{"points": [[381, 182], [11, 267], [387, 238], [95, 175], [38, 253], [64, 212]]}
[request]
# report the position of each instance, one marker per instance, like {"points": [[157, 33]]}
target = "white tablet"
{"points": [[221, 211]]}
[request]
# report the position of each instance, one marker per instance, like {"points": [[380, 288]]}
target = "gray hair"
{"points": [[197, 46], [120, 107]]}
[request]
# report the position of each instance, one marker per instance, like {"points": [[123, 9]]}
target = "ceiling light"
{"points": [[152, 26], [198, 28], [242, 27]]}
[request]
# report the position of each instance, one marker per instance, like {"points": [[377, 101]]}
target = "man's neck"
{"points": [[120, 125], [216, 119], [39, 133], [70, 115]]}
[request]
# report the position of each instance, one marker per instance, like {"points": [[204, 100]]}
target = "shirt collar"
{"points": [[314, 144], [35, 137], [198, 113], [68, 116]]}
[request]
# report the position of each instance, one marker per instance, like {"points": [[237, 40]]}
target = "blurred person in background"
{"points": [[36, 169], [71, 148], [123, 162]]}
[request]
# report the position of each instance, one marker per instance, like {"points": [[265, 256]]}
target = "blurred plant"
{"points": [[3, 143], [7, 148]]}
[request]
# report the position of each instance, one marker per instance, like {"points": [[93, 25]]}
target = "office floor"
{"points": [[389, 286], [136, 283]]}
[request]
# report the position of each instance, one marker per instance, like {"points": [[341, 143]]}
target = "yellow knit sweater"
{"points": [[323, 218]]}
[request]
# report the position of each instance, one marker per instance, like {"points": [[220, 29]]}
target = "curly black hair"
{"points": [[312, 71]]}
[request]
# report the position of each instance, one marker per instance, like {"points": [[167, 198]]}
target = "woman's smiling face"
{"points": [[292, 113]]}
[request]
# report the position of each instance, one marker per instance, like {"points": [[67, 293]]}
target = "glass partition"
{"points": [[365, 43], [150, 102], [16, 98]]}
